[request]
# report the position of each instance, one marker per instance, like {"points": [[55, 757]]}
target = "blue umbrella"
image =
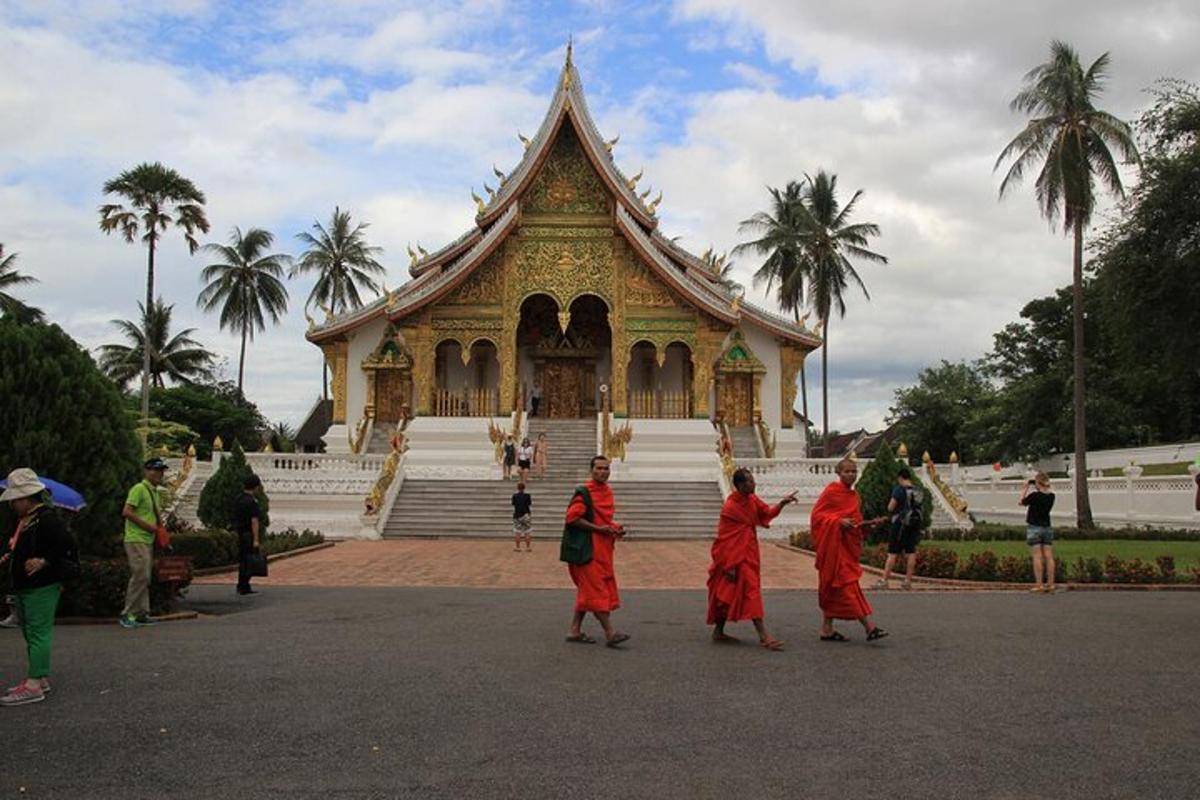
{"points": [[62, 495]]}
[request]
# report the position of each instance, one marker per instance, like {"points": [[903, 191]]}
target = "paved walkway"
{"points": [[493, 564]]}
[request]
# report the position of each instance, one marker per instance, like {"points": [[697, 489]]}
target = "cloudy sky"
{"points": [[395, 110]]}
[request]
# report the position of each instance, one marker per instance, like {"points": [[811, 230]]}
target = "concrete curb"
{"points": [[952, 583], [206, 571], [172, 617]]}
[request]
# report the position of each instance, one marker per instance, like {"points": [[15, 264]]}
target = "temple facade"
{"points": [[566, 289]]}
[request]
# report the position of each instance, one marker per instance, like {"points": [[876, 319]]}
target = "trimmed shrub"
{"points": [[99, 591], [1166, 567], [222, 490], [979, 567], [992, 531], [290, 539], [1132, 571], [1015, 569], [65, 420], [936, 562], [207, 548], [803, 539], [1087, 570]]}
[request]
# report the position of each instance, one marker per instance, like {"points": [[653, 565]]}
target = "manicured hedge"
{"points": [[99, 591], [995, 532]]}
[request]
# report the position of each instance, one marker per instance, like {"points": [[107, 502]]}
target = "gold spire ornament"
{"points": [[424, 253], [653, 207], [412, 256], [478, 201], [525, 142], [564, 320], [500, 175], [645, 194], [611, 143], [491, 193], [632, 182]]}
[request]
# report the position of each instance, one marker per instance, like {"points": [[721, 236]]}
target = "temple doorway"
{"points": [[567, 355]]}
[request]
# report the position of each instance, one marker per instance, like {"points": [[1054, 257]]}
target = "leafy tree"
{"points": [[1147, 273], [828, 242], [157, 197], [942, 413], [875, 488], [211, 410], [283, 438], [245, 285], [222, 490], [66, 421], [780, 232], [165, 438], [343, 262], [1071, 139], [180, 357], [10, 278]]}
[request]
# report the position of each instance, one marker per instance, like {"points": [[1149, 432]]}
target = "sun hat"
{"points": [[154, 463], [22, 482]]}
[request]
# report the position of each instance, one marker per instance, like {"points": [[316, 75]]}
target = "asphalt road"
{"points": [[454, 693]]}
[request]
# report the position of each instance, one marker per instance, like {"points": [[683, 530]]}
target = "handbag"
{"points": [[576, 547], [256, 562]]}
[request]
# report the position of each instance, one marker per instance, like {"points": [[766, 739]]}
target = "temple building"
{"points": [[564, 287]]}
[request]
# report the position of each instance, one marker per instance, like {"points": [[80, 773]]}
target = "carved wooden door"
{"points": [[561, 387], [392, 389], [738, 399]]}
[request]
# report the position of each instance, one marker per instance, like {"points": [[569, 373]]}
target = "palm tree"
{"points": [[343, 263], [158, 198], [9, 305], [1070, 138], [780, 232], [245, 284], [828, 242], [178, 357]]}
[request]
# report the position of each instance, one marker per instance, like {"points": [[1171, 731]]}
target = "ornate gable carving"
{"points": [[738, 357], [485, 286], [567, 184]]}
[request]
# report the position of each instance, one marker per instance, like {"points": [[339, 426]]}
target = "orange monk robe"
{"points": [[736, 547], [838, 552], [595, 581]]}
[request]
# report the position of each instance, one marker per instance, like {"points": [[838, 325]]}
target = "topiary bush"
{"points": [[209, 548], [65, 420], [222, 489], [875, 489], [99, 591]]}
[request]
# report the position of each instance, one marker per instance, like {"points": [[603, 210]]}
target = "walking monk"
{"points": [[734, 582], [592, 509], [837, 528]]}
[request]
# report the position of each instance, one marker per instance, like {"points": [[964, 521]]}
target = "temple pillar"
{"points": [[791, 361], [756, 412], [421, 342], [336, 354]]}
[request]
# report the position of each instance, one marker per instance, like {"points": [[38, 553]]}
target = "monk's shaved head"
{"points": [[846, 462]]}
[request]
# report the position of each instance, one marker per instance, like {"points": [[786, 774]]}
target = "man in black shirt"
{"points": [[522, 505], [246, 516]]}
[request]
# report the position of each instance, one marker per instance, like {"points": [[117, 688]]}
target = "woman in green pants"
{"points": [[36, 555]]}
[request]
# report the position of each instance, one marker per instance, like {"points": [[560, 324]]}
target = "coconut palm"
{"points": [[343, 262], [1070, 139], [828, 243], [158, 197], [9, 278], [780, 232], [245, 285], [179, 357]]}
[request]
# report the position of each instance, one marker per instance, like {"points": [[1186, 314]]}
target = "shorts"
{"points": [[523, 463], [1038, 535], [902, 539], [523, 525]]}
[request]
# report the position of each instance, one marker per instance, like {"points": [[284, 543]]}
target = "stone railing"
{"points": [[317, 473], [800, 473], [1134, 499]]}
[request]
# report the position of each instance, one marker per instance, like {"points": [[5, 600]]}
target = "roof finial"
{"points": [[570, 46]]}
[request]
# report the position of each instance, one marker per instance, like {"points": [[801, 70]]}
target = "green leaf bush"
{"points": [[875, 486], [99, 591], [222, 490]]}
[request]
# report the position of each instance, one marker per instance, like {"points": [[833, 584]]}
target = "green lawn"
{"points": [[1176, 468], [1187, 554]]}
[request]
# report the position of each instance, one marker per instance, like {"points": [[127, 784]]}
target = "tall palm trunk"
{"points": [[242, 357], [825, 392], [1083, 504], [146, 337], [803, 390]]}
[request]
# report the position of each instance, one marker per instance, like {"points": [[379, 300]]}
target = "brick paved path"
{"points": [[457, 562]]}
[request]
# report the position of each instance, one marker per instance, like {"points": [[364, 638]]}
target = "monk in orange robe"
{"points": [[837, 528], [596, 581], [734, 580]]}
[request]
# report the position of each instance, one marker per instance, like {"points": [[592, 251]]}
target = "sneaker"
{"points": [[11, 621], [880, 584], [145, 619], [128, 621], [45, 684], [22, 695]]}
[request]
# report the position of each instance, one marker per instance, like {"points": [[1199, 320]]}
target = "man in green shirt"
{"points": [[143, 516]]}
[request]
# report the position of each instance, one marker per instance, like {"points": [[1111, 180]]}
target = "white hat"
{"points": [[22, 482]]}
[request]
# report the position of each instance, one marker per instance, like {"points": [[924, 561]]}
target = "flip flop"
{"points": [[834, 637], [582, 638], [774, 645], [617, 639], [876, 633]]}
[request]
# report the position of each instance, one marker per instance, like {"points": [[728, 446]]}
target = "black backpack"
{"points": [[913, 515]]}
